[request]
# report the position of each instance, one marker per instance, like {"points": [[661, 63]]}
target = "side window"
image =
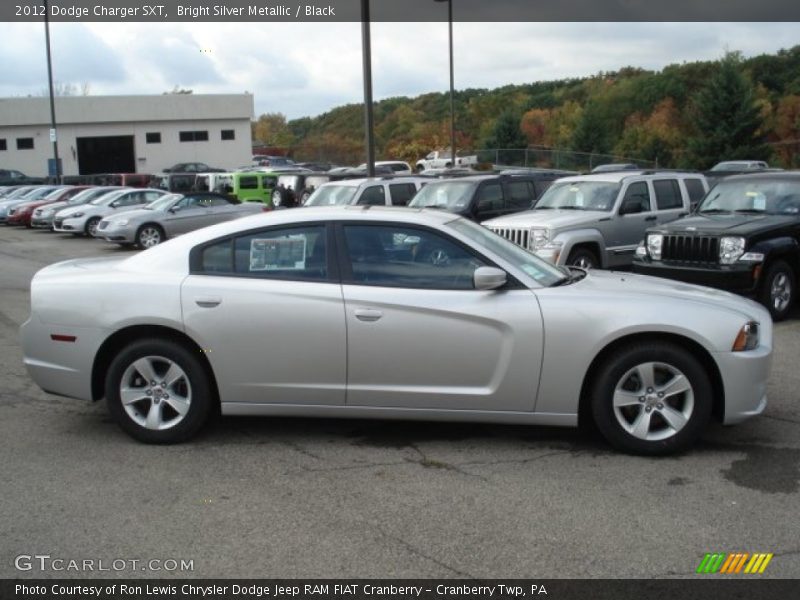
{"points": [[291, 253], [695, 189], [668, 194], [131, 199], [400, 256], [215, 201], [639, 192], [373, 195], [490, 197], [217, 258], [402, 193], [520, 194], [541, 186], [248, 183]]}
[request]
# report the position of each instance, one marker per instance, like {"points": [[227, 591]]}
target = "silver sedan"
{"points": [[391, 313], [172, 215]]}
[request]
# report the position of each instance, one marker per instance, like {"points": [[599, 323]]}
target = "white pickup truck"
{"points": [[437, 159]]}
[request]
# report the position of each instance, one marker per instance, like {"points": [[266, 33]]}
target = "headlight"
{"points": [[655, 241], [747, 338], [539, 237], [730, 249]]}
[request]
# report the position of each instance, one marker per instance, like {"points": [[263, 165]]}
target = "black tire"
{"points": [[194, 384], [778, 290], [149, 235], [584, 258], [91, 226], [672, 365]]}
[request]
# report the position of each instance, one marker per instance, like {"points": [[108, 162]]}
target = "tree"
{"points": [[271, 129], [591, 133], [507, 136], [728, 122]]}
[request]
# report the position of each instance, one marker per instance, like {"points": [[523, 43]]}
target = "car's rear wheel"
{"points": [[583, 258], [91, 226], [158, 391], [651, 399], [778, 290], [149, 235]]}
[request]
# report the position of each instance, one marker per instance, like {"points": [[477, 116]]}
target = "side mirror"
{"points": [[489, 278], [630, 206], [174, 209]]}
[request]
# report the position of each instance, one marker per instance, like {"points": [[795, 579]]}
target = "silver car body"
{"points": [[611, 236], [281, 347], [367, 191], [76, 219], [22, 196], [175, 215], [43, 216]]}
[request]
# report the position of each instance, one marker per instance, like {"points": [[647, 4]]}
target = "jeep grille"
{"points": [[520, 236], [689, 248]]}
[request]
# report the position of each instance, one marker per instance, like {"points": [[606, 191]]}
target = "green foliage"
{"points": [[727, 120], [687, 115]]}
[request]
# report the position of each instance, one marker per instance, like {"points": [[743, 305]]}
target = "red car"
{"points": [[22, 214]]}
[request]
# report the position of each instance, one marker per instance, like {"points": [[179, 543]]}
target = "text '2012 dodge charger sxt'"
{"points": [[391, 313]]}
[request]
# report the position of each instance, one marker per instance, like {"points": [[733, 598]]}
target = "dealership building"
{"points": [[125, 134]]}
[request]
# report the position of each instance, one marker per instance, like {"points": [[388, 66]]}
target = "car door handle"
{"points": [[652, 218], [367, 315], [208, 301]]}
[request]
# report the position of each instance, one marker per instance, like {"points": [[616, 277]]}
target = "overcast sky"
{"points": [[304, 69]]}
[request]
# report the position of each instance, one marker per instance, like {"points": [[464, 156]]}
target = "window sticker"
{"points": [[759, 200], [287, 253]]}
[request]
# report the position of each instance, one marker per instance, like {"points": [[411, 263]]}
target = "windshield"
{"points": [[541, 271], [39, 193], [580, 195], [450, 195], [164, 202], [332, 195], [108, 198], [775, 197], [86, 196]]}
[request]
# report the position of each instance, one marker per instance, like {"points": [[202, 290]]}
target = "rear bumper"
{"points": [[741, 278]]}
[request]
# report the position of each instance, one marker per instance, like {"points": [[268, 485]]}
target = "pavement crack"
{"points": [[353, 467], [430, 463], [416, 551], [782, 419], [298, 448], [488, 463]]}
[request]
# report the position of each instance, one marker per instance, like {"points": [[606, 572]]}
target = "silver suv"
{"points": [[598, 220]]}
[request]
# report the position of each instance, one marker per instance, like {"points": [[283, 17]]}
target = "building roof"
{"points": [[110, 109]]}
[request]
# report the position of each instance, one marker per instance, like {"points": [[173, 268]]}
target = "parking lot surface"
{"points": [[346, 498]]}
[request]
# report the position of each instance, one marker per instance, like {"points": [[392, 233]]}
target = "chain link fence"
{"points": [[554, 158]]}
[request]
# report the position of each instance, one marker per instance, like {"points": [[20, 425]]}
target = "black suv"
{"points": [[743, 237], [483, 197]]}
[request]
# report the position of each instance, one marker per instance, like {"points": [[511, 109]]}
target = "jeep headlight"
{"points": [[655, 242], [539, 237], [730, 249]]}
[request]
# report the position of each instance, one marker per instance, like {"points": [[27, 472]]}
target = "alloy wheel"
{"points": [[155, 392], [780, 292]]}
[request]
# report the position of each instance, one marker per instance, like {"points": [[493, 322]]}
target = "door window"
{"points": [[668, 194], [400, 256], [373, 195], [402, 193], [490, 198], [640, 193], [520, 195]]}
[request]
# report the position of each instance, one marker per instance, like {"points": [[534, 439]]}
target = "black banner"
{"points": [[701, 588], [401, 10]]}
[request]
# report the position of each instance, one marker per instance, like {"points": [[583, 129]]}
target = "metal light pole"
{"points": [[452, 86], [366, 53], [53, 135]]}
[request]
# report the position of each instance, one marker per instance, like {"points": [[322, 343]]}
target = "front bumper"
{"points": [[69, 225], [744, 376], [740, 278], [41, 222], [118, 235]]}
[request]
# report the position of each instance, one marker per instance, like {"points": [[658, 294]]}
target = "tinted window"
{"points": [[248, 183], [541, 186], [490, 197], [228, 134], [152, 137], [24, 143], [217, 258], [399, 256], [373, 195], [193, 136], [3, 144], [401, 193], [292, 253], [520, 194], [668, 194], [695, 189], [639, 192]]}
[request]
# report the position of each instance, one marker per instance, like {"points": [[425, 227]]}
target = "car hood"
{"points": [[55, 206], [136, 213], [88, 210], [630, 285], [554, 219], [727, 224]]}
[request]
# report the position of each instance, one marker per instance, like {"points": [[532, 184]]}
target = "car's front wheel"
{"points": [[149, 236], [158, 391], [583, 258], [91, 226], [778, 290], [652, 399]]}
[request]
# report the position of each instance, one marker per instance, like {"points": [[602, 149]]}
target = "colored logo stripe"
{"points": [[734, 562]]}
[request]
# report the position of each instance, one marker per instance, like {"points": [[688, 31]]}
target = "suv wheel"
{"points": [[158, 391], [778, 290], [583, 258], [652, 399]]}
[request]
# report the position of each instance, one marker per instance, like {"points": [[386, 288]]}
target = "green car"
{"points": [[253, 186]]}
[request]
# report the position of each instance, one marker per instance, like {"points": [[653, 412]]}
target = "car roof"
{"points": [[618, 176]]}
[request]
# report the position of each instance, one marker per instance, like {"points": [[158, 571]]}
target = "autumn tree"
{"points": [[728, 122], [271, 129], [506, 136]]}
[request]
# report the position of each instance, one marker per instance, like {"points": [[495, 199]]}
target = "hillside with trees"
{"points": [[685, 116]]}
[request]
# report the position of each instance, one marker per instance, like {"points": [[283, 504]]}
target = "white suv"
{"points": [[378, 192]]}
